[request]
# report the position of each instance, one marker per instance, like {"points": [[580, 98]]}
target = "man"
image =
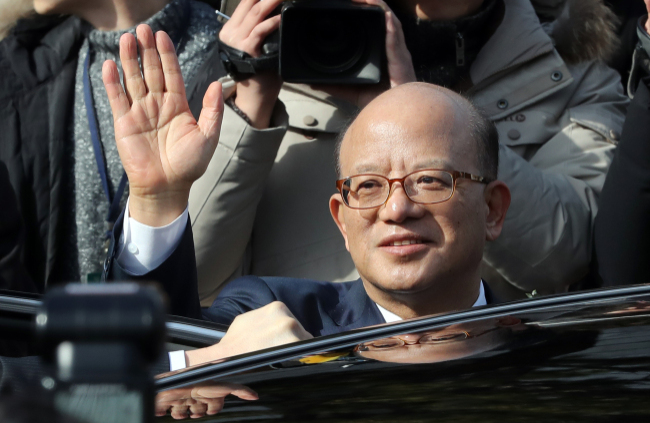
{"points": [[558, 111], [420, 201]]}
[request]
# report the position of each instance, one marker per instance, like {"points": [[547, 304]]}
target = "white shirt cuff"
{"points": [[142, 248], [177, 360]]}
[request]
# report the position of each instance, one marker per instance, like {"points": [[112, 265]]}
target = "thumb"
{"points": [[212, 112]]}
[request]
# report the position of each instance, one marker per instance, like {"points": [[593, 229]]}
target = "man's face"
{"points": [[404, 247]]}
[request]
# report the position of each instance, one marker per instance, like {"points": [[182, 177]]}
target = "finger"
{"points": [[214, 406], [257, 14], [212, 113], [400, 64], [223, 389], [198, 410], [240, 12], [379, 3], [152, 69], [120, 104], [260, 32], [133, 82], [179, 412], [171, 69]]}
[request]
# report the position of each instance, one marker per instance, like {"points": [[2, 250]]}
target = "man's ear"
{"points": [[497, 199], [336, 209]]}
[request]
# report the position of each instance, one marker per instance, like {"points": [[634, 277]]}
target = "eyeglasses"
{"points": [[428, 186], [427, 339]]}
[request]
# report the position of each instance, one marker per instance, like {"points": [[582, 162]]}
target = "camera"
{"points": [[99, 341], [319, 42], [331, 42]]}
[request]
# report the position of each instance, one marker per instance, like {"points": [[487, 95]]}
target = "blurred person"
{"points": [[10, 12], [558, 110], [622, 232], [58, 140]]}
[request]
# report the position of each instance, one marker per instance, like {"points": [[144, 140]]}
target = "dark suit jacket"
{"points": [[622, 228], [321, 307]]}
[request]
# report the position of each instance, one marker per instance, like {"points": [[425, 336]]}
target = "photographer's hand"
{"points": [[400, 64], [647, 22], [246, 31], [162, 147]]}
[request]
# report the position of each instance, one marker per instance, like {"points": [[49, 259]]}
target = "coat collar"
{"points": [[356, 309], [518, 65]]}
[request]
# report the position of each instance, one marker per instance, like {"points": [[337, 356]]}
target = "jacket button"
{"points": [[309, 120], [502, 104], [613, 135], [513, 134], [520, 117], [556, 76]]}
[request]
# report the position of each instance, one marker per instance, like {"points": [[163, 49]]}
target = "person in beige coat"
{"points": [[261, 208]]}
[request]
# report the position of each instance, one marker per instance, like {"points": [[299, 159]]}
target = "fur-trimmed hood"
{"points": [[582, 30]]}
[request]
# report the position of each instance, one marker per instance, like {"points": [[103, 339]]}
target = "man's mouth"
{"points": [[405, 242]]}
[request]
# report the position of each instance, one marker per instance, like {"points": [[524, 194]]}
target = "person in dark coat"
{"points": [[622, 231], [46, 107]]}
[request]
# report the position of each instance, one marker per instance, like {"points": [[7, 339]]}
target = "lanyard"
{"points": [[113, 200]]}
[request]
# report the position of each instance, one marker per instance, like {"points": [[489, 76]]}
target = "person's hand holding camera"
{"points": [[398, 58], [162, 147], [246, 31]]}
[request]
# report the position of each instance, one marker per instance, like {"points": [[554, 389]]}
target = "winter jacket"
{"points": [[37, 67], [262, 206]]}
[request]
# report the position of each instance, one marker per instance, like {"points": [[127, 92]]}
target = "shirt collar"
{"points": [[392, 317]]}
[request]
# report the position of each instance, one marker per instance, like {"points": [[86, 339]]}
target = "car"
{"points": [[581, 356]]}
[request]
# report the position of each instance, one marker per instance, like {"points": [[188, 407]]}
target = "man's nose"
{"points": [[398, 206]]}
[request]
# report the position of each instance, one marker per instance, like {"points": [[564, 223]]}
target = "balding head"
{"points": [[420, 101], [418, 201]]}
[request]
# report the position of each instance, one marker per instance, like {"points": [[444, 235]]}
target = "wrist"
{"points": [[157, 210], [203, 355], [256, 98]]}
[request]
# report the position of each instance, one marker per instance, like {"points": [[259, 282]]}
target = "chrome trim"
{"points": [[196, 333], [19, 305]]}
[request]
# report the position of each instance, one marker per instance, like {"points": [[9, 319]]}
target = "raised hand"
{"points": [[162, 147], [200, 400], [647, 22]]}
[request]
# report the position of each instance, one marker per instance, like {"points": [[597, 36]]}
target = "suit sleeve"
{"points": [[13, 275], [238, 297], [223, 202], [622, 233], [546, 243], [176, 275]]}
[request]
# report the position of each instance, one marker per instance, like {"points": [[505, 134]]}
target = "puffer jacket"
{"points": [[558, 122]]}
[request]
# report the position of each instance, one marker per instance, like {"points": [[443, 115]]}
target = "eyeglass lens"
{"points": [[425, 186]]}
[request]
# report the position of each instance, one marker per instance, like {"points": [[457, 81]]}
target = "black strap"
{"points": [[113, 200], [241, 65]]}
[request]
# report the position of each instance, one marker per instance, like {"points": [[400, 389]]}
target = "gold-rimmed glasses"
{"points": [[426, 186]]}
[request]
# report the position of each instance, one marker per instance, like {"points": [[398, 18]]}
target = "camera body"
{"points": [[100, 341], [331, 42]]}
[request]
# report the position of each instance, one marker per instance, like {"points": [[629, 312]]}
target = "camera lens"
{"points": [[331, 43]]}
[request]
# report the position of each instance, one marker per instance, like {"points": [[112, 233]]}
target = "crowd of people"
{"points": [[476, 172]]}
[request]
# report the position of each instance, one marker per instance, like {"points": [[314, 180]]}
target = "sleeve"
{"points": [[142, 248], [13, 275], [622, 233], [238, 297], [546, 243], [224, 200], [176, 275]]}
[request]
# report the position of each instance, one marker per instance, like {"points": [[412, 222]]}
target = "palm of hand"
{"points": [[160, 142], [162, 147]]}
